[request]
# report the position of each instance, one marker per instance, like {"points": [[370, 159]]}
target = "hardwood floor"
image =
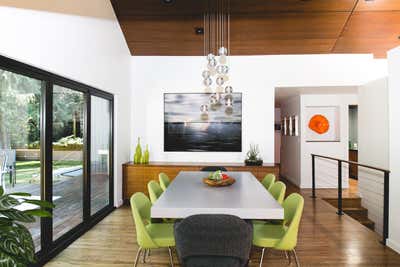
{"points": [[325, 239]]}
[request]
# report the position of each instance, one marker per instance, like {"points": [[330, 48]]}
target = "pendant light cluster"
{"points": [[216, 51]]}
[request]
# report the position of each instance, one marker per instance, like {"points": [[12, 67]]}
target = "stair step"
{"points": [[353, 202], [360, 214], [368, 223]]}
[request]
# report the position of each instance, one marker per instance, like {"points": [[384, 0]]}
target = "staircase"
{"points": [[352, 207]]}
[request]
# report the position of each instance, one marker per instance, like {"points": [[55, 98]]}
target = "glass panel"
{"points": [[68, 127], [20, 98], [100, 156]]}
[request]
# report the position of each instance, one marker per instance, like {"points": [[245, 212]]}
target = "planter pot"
{"points": [[258, 162]]}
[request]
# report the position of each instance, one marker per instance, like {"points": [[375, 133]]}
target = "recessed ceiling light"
{"points": [[168, 2], [199, 30]]}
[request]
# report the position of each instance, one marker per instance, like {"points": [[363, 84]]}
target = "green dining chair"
{"points": [[155, 191], [164, 181], [150, 235], [281, 237], [278, 191], [268, 181]]}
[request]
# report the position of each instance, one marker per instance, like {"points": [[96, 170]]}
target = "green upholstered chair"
{"points": [[268, 181], [155, 191], [281, 237], [164, 181], [150, 235], [278, 191]]}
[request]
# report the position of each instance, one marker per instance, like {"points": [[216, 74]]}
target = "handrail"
{"points": [[352, 162], [340, 204]]}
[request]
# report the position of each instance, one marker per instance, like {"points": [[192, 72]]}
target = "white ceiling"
{"points": [[283, 93]]}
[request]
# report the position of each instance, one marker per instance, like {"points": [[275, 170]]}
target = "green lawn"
{"points": [[29, 171]]}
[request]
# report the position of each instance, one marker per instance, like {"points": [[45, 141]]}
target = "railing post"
{"points": [[340, 204], [313, 175], [385, 208]]}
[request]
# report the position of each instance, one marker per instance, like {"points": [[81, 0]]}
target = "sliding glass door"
{"points": [[67, 137], [56, 142], [100, 138], [20, 153]]}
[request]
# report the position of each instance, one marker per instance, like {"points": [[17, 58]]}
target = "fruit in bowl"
{"points": [[218, 179], [218, 176]]}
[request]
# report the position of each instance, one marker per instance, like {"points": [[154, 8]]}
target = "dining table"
{"points": [[188, 195]]}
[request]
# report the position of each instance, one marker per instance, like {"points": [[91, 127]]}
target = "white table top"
{"points": [[187, 195]]}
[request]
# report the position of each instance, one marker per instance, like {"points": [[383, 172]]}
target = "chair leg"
{"points": [[171, 260], [296, 258], [288, 256], [145, 255], [137, 256], [262, 256]]}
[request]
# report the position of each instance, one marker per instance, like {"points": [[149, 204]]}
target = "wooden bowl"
{"points": [[219, 183]]}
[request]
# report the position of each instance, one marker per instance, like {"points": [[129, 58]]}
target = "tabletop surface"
{"points": [[188, 195]]}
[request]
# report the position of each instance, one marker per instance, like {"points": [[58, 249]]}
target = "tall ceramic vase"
{"points": [[146, 156], [138, 153]]}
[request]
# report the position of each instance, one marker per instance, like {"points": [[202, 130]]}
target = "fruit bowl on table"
{"points": [[218, 178]]}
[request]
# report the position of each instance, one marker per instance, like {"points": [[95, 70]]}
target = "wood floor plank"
{"points": [[325, 239]]}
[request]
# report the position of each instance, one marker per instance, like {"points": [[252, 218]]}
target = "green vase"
{"points": [[138, 153], [146, 155]]}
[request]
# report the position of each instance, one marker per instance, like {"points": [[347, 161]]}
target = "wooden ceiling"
{"points": [[264, 27]]}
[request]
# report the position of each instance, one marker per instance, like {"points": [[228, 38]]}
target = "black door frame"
{"points": [[50, 248]]}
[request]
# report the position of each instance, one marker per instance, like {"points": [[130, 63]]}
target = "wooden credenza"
{"points": [[136, 176]]}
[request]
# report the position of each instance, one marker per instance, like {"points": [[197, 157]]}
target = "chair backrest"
{"points": [[213, 169], [268, 181], [164, 181], [278, 191], [155, 191], [201, 240], [141, 205], [293, 207]]}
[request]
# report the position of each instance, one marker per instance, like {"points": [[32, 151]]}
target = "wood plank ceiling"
{"points": [[264, 27]]}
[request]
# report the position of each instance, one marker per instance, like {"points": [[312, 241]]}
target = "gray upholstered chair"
{"points": [[213, 241]]}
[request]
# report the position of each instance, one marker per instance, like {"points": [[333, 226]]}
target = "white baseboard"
{"points": [[393, 245]]}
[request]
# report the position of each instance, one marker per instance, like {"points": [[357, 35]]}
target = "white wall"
{"points": [[394, 148], [326, 171], [255, 76], [89, 49], [373, 146], [290, 145]]}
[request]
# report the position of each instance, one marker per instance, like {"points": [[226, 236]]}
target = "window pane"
{"points": [[100, 153], [20, 164], [68, 127]]}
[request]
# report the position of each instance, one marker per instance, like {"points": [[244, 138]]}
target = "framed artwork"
{"points": [[186, 128], [323, 124]]}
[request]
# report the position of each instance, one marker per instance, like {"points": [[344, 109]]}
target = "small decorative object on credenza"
{"points": [[253, 158], [138, 153], [218, 178]]}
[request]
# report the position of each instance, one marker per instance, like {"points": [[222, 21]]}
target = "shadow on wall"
{"points": [[87, 8]]}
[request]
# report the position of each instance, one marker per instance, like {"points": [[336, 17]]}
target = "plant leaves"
{"points": [[8, 261], [1, 191], [7, 202], [40, 203], [5, 222], [16, 241], [17, 215], [38, 213]]}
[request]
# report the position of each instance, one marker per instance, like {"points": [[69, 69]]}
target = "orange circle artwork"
{"points": [[319, 124]]}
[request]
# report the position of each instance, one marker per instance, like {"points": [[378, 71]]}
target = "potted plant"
{"points": [[16, 243], [253, 158]]}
